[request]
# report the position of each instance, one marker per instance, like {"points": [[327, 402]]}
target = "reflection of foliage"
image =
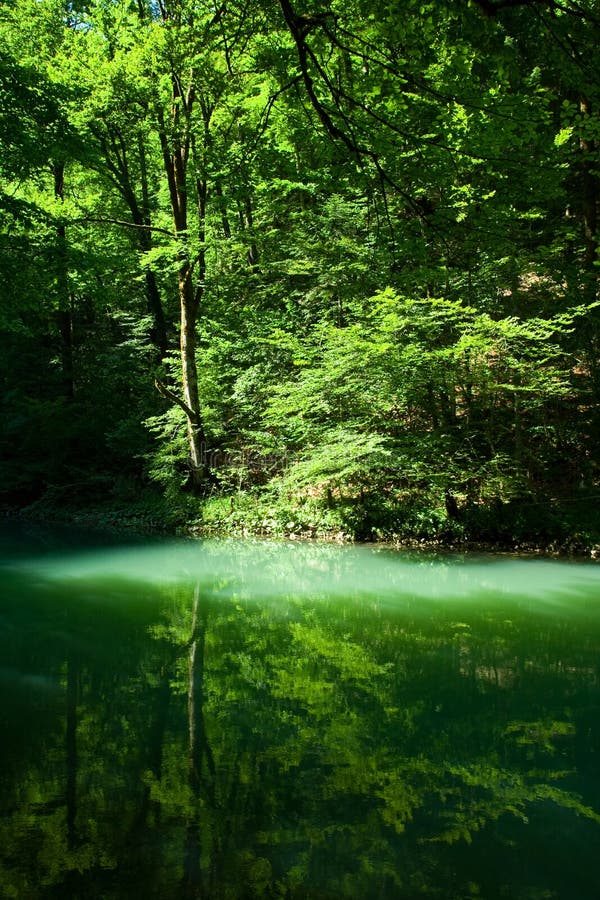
{"points": [[340, 749], [540, 735]]}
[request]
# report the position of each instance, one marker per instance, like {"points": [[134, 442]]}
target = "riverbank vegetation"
{"points": [[315, 270]]}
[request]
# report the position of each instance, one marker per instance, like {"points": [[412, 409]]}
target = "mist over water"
{"points": [[260, 569], [257, 719]]}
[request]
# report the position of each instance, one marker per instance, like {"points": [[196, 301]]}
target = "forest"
{"points": [[315, 269]]}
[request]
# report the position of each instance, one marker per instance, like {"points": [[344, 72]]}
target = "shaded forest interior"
{"points": [[314, 269]]}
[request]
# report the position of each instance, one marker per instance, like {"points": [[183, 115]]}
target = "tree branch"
{"points": [[122, 222], [170, 395]]}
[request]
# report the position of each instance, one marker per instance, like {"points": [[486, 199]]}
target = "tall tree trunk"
{"points": [[189, 372], [175, 163], [248, 224], [590, 209], [590, 192], [63, 315], [158, 335], [155, 307], [223, 207], [116, 157]]}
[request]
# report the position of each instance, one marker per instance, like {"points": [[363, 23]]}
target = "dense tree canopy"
{"points": [[338, 256]]}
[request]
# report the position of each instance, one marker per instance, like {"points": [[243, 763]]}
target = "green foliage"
{"points": [[383, 231], [434, 391]]}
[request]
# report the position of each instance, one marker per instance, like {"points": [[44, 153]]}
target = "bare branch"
{"points": [[164, 391]]}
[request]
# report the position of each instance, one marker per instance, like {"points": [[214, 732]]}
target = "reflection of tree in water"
{"points": [[309, 749], [341, 766], [201, 762], [72, 690]]}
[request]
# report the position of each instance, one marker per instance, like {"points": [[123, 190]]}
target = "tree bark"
{"points": [[590, 209], [63, 315], [175, 156], [223, 207], [115, 153], [155, 307], [189, 372]]}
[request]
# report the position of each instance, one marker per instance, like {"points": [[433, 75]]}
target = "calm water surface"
{"points": [[240, 720]]}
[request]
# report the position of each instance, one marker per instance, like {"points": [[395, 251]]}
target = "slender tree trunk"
{"points": [[116, 157], [252, 254], [590, 194], [590, 207], [155, 307], [175, 162], [64, 317], [158, 334], [518, 422], [223, 207], [189, 371]]}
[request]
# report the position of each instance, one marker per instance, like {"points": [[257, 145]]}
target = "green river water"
{"points": [[241, 719]]}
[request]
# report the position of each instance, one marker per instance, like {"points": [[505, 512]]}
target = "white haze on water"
{"points": [[262, 570]]}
